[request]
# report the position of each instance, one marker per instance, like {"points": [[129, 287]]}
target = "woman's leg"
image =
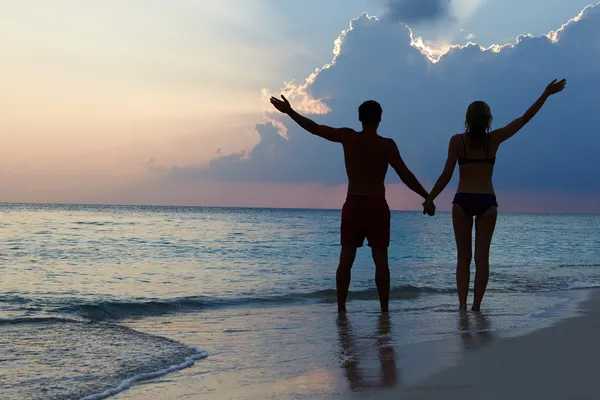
{"points": [[484, 230], [463, 233]]}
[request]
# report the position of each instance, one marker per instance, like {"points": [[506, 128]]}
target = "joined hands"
{"points": [[429, 208]]}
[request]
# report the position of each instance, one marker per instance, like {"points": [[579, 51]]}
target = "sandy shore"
{"points": [[273, 353], [559, 362]]}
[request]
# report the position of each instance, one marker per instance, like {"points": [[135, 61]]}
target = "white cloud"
{"points": [[555, 35]]}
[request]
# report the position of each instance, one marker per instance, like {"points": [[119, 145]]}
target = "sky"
{"points": [[161, 102]]}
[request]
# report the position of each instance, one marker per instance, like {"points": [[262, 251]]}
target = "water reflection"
{"points": [[387, 374], [475, 329], [387, 354]]}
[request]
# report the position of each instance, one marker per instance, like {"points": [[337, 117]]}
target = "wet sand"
{"points": [[559, 362], [309, 353]]}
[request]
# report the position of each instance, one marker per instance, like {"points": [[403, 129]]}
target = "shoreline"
{"points": [[555, 362], [327, 376]]}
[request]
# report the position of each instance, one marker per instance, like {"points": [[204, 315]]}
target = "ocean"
{"points": [[136, 302]]}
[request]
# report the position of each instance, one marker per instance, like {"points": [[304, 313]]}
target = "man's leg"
{"points": [[378, 235], [382, 276], [342, 277]]}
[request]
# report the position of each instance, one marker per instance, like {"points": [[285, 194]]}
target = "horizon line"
{"points": [[5, 203]]}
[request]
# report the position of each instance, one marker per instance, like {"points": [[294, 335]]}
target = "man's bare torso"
{"points": [[367, 157]]}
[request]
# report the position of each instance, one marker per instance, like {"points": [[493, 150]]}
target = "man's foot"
{"points": [[462, 307], [476, 308], [342, 310]]}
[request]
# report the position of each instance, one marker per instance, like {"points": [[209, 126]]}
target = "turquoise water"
{"points": [[86, 291]]}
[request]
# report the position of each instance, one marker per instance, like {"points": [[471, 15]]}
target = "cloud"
{"points": [[418, 11], [424, 100]]}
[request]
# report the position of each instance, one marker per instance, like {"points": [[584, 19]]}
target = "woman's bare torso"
{"points": [[476, 177]]}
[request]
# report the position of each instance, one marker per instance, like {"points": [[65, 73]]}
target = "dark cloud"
{"points": [[424, 104], [418, 11]]}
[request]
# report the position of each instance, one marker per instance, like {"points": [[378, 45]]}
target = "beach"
{"points": [[559, 362], [364, 357], [296, 200]]}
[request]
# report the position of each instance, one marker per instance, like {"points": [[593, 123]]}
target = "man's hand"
{"points": [[281, 105], [429, 208], [337, 135]]}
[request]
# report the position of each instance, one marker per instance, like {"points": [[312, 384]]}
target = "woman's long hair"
{"points": [[478, 123]]}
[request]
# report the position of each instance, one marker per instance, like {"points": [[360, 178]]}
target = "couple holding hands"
{"points": [[366, 214]]}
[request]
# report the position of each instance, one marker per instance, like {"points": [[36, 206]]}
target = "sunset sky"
{"points": [[164, 102]]}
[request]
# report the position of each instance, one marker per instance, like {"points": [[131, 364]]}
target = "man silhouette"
{"points": [[365, 213]]}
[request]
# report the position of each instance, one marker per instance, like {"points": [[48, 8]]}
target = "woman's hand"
{"points": [[555, 87]]}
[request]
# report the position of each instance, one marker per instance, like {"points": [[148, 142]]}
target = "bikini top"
{"points": [[487, 160]]}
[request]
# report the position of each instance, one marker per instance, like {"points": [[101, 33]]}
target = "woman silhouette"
{"points": [[475, 151]]}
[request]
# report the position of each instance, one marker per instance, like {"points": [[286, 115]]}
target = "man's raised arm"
{"points": [[326, 132]]}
